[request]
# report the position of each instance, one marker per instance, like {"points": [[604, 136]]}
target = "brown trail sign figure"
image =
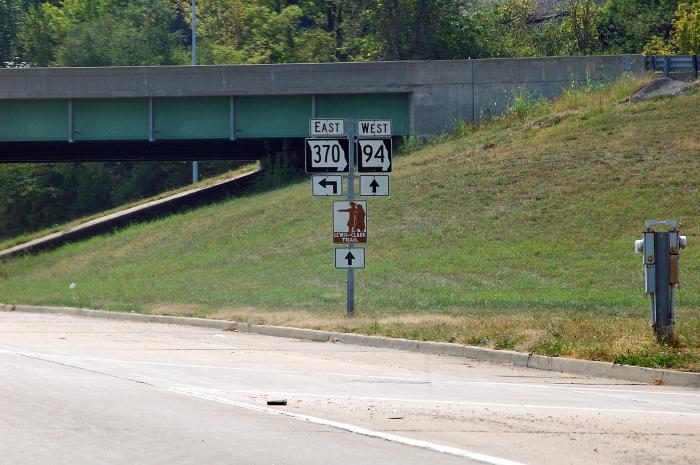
{"points": [[356, 217], [350, 222]]}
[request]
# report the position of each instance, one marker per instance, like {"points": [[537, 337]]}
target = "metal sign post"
{"points": [[661, 253], [351, 195], [331, 151], [195, 164]]}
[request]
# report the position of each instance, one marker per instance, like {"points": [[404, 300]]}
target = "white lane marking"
{"points": [[447, 402], [579, 388], [491, 460], [388, 399], [355, 429], [210, 367]]}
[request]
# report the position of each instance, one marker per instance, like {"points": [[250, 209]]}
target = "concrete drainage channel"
{"points": [[522, 359], [190, 198]]}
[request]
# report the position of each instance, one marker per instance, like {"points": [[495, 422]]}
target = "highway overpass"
{"points": [[225, 112]]}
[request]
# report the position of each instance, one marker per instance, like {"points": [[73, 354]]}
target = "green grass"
{"points": [[518, 234]]}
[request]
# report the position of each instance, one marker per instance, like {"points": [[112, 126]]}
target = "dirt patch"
{"points": [[662, 87], [181, 310]]}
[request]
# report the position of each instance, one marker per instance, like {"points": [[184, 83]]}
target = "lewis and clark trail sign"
{"points": [[350, 222], [330, 153]]}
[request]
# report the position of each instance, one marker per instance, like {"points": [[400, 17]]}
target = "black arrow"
{"points": [[325, 183], [374, 185], [349, 257]]}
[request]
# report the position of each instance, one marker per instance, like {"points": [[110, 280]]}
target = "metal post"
{"points": [[194, 32], [663, 321], [195, 172], [71, 128], [195, 164], [232, 118], [351, 195], [667, 66], [151, 121], [661, 255]]}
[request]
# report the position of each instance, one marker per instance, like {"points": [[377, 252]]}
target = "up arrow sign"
{"points": [[374, 186], [350, 258]]}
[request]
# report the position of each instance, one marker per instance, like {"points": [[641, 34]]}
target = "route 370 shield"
{"points": [[327, 155]]}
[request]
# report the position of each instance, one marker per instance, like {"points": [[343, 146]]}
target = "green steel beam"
{"points": [[191, 118], [33, 120], [286, 116], [110, 119], [381, 106]]}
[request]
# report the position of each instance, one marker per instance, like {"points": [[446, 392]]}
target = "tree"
{"points": [[237, 31], [503, 29], [626, 26], [686, 28], [10, 16], [101, 33], [684, 36], [420, 29], [583, 22], [37, 38]]}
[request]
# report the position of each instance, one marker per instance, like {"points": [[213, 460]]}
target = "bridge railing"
{"points": [[686, 64]]}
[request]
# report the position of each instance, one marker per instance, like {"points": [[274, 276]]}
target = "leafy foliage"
{"points": [[149, 32], [626, 26], [100, 33], [9, 18], [685, 36]]}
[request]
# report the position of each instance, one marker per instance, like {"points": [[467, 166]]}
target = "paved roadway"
{"points": [[88, 391]]}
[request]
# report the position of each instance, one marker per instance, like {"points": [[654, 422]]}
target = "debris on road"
{"points": [[277, 402]]}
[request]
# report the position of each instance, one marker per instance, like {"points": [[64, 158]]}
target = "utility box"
{"points": [[660, 248]]}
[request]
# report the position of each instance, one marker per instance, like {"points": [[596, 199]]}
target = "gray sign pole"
{"points": [[663, 320], [195, 164], [661, 252], [351, 194]]}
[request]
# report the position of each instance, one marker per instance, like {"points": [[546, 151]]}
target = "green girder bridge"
{"points": [[227, 112]]}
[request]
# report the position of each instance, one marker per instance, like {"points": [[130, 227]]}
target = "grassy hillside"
{"points": [[516, 234]]}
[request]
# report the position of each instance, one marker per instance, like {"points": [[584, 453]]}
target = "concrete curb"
{"points": [[522, 359]]}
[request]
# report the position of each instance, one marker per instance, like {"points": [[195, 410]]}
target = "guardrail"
{"points": [[673, 64]]}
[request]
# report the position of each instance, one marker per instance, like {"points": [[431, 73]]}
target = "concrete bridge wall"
{"points": [[439, 93]]}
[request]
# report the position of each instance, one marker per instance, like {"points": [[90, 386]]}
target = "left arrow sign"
{"points": [[325, 183], [325, 186]]}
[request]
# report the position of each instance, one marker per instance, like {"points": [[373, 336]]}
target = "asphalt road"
{"points": [[89, 391]]}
